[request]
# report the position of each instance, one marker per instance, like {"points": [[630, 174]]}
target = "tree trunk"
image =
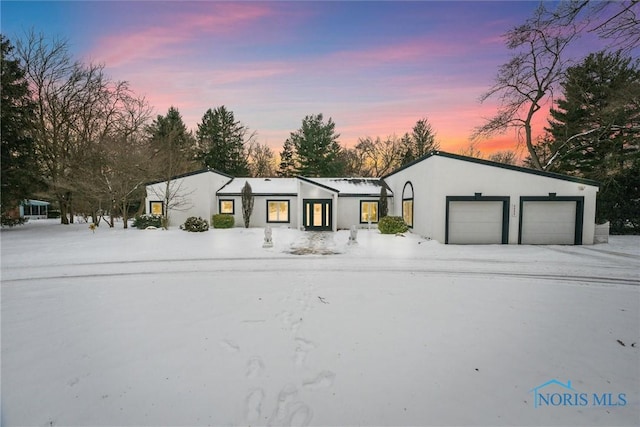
{"points": [[125, 214], [63, 209], [70, 208]]}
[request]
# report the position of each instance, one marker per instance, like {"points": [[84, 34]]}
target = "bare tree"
{"points": [[53, 78], [471, 150], [261, 160], [507, 157], [615, 21], [82, 116], [376, 157], [527, 82]]}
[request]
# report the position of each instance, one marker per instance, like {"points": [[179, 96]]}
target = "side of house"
{"points": [[461, 200], [275, 201], [441, 196], [191, 194]]}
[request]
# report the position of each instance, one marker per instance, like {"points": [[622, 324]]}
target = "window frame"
{"points": [[377, 202], [408, 199], [153, 203], [233, 206], [288, 203]]}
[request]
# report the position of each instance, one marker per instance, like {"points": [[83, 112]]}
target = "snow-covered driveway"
{"points": [[129, 327]]}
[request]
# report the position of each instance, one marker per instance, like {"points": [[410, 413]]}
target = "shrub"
{"points": [[392, 225], [195, 224], [147, 220], [223, 221], [8, 221]]}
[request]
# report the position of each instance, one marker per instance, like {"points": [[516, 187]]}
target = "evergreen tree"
{"points": [[171, 143], [420, 142], [287, 160], [221, 142], [384, 203], [247, 204], [406, 144], [316, 148], [20, 176], [595, 132], [173, 153]]}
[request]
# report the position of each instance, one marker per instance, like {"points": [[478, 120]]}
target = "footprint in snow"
{"points": [[230, 346], [300, 415], [253, 404], [303, 347], [254, 367], [286, 398], [323, 380]]}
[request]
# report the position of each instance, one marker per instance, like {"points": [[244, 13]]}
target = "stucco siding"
{"points": [[192, 195], [259, 214], [437, 177]]}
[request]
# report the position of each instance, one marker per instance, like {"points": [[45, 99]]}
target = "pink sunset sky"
{"points": [[375, 68]]}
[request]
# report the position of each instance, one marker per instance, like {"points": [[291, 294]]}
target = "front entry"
{"points": [[316, 214]]}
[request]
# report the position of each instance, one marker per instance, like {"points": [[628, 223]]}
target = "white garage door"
{"points": [[549, 223], [475, 222]]}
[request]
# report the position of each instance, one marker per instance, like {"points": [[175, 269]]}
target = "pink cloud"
{"points": [[168, 37], [417, 50]]}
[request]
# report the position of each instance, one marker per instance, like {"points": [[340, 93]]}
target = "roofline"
{"points": [[373, 195], [257, 194], [184, 175], [499, 165], [309, 181]]}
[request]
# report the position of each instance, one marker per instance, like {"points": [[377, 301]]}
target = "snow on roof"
{"points": [[35, 202], [350, 186], [261, 186], [355, 186]]}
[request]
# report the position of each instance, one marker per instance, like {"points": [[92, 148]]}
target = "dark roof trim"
{"points": [[499, 165], [184, 175], [219, 194], [376, 195], [317, 184]]}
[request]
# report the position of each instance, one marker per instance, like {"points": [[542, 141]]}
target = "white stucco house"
{"points": [[446, 197]]}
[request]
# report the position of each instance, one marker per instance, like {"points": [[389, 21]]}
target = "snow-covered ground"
{"points": [[149, 328]]}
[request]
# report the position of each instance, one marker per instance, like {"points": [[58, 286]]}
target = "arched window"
{"points": [[407, 204]]}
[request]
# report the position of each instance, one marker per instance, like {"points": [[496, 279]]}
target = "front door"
{"points": [[316, 214]]}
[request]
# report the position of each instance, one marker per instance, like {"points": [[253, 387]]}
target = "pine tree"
{"points": [[420, 142], [221, 141], [20, 176], [595, 132], [316, 147], [287, 160]]}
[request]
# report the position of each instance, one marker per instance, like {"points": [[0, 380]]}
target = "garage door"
{"points": [[548, 222], [476, 222]]}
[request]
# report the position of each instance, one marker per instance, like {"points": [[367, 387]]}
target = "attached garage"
{"points": [[477, 220], [551, 220]]}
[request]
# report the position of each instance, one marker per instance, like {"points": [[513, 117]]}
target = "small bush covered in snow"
{"points": [[223, 221], [392, 225], [147, 220], [195, 224]]}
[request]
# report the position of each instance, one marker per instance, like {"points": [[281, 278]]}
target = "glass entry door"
{"points": [[316, 214]]}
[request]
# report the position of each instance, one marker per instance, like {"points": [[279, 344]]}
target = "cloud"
{"points": [[173, 33]]}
